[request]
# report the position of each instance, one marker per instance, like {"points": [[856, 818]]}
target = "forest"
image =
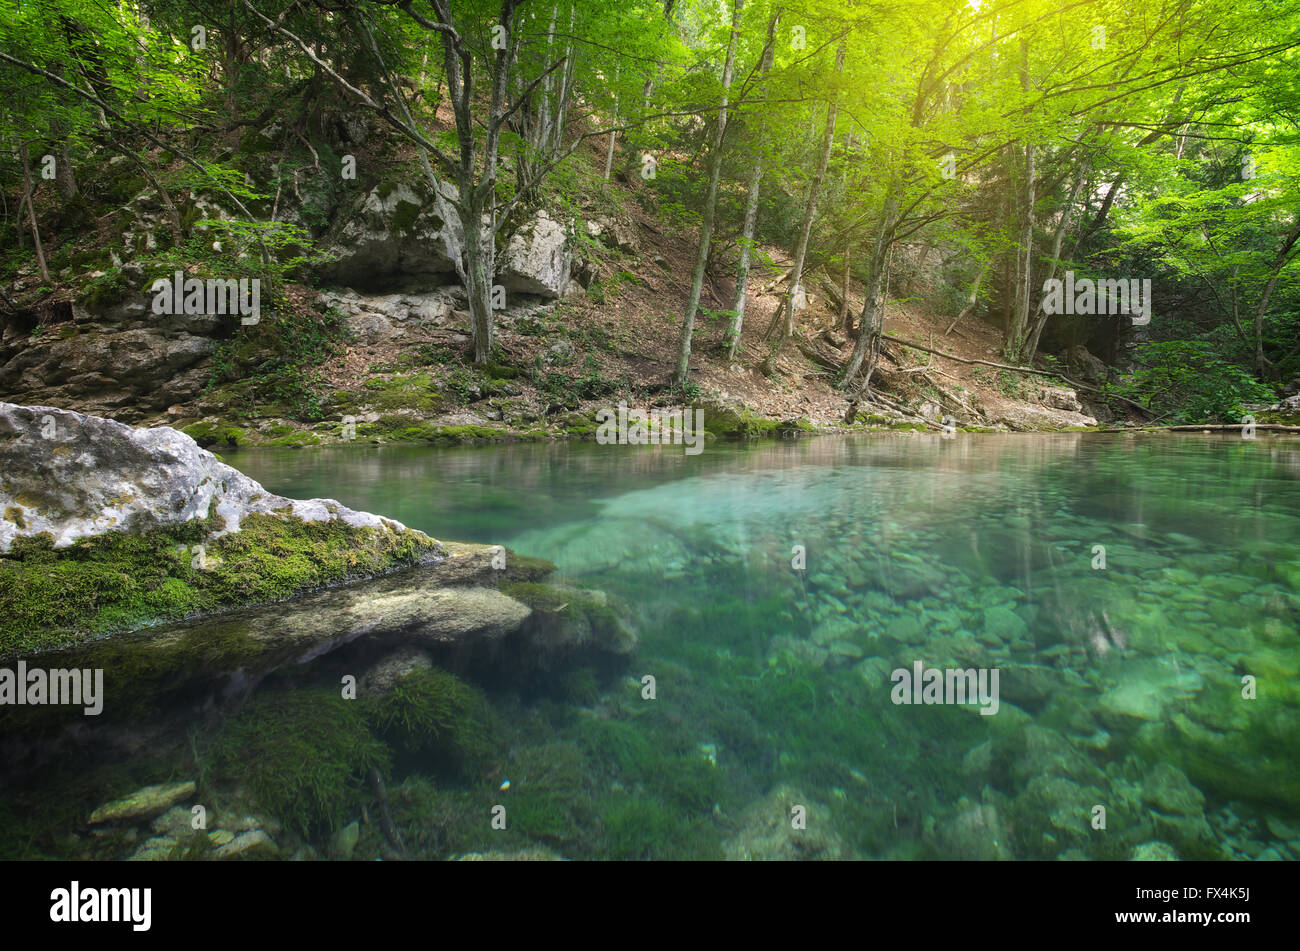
{"points": [[546, 429], [1000, 147]]}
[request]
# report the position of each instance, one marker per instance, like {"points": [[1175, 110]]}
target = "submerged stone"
{"points": [[144, 803]]}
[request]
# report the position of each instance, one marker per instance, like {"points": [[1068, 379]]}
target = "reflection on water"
{"points": [[1136, 595]]}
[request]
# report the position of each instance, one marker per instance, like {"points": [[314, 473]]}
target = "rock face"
{"points": [[537, 259], [120, 356], [395, 230], [74, 476], [373, 319]]}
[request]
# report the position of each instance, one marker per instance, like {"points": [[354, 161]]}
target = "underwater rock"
{"points": [[1005, 625], [144, 803], [255, 841], [538, 854], [567, 621], [157, 849], [974, 832], [1153, 852], [74, 476], [805, 652], [174, 823], [767, 831], [392, 669], [1144, 687], [344, 842], [1168, 789]]}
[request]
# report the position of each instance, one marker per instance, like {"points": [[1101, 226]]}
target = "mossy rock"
{"points": [[121, 581], [433, 711], [727, 423], [215, 433], [566, 618], [301, 755]]}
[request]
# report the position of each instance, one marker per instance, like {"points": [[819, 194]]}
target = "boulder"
{"points": [[1083, 365], [74, 476], [537, 260], [396, 230]]}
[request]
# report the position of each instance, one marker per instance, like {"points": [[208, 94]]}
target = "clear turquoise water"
{"points": [[1120, 687], [1124, 725]]}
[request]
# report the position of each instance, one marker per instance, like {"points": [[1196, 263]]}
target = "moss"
{"points": [[500, 371], [525, 568], [564, 617], [636, 829], [120, 581], [404, 217], [582, 687], [432, 822], [103, 292], [467, 433], [215, 433], [302, 755], [300, 437], [546, 798], [432, 711], [14, 514], [415, 392], [620, 747], [738, 425]]}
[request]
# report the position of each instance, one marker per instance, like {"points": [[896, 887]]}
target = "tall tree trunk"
{"points": [[1040, 314], [845, 320], [28, 188], [810, 209], [751, 200], [1275, 269], [869, 323], [710, 207], [1017, 332]]}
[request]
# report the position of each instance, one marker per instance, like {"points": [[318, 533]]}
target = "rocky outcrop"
{"points": [[74, 476], [537, 259], [396, 230], [379, 318]]}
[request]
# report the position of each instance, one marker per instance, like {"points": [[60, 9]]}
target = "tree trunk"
{"points": [[845, 320], [751, 203], [1040, 314], [870, 322], [810, 209], [1017, 332], [28, 188], [1279, 262], [710, 207]]}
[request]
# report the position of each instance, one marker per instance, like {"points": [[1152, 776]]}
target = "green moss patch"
{"points": [[119, 581], [432, 711], [302, 756]]}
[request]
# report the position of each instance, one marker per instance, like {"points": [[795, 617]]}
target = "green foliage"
{"points": [[1186, 381], [277, 361], [301, 754]]}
